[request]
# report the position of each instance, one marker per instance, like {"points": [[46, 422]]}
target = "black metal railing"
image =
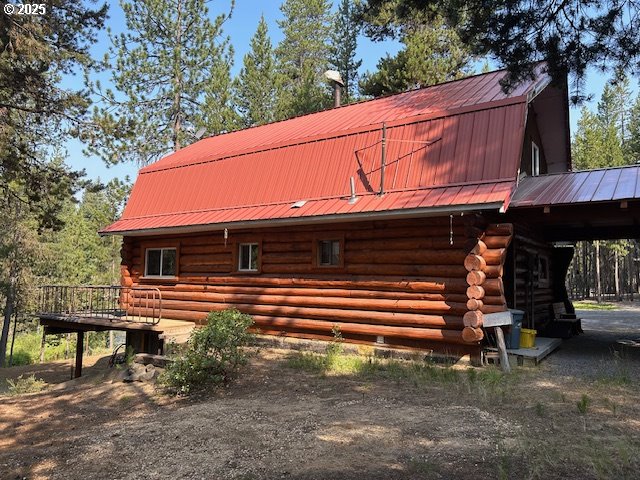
{"points": [[132, 304]]}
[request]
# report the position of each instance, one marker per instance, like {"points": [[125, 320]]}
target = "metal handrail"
{"points": [[110, 302]]}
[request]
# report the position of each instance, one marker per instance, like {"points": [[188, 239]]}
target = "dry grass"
{"points": [[306, 416]]}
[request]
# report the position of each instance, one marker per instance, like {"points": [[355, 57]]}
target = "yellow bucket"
{"points": [[527, 338]]}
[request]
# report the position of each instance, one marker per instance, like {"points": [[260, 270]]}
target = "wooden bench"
{"points": [[563, 324]]}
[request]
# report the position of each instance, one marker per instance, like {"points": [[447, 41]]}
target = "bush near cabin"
{"points": [[213, 355]]}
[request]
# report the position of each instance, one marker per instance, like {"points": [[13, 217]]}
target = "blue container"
{"points": [[513, 339]]}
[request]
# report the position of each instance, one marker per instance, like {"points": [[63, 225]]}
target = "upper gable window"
{"points": [[535, 159], [160, 262]]}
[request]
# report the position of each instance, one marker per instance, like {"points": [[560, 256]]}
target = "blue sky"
{"points": [[240, 27]]}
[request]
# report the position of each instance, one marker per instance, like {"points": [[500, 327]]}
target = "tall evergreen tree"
{"points": [[600, 138], [588, 141], [571, 35], [432, 53], [633, 143], [344, 41], [303, 56], [258, 83], [171, 78], [37, 114], [79, 254]]}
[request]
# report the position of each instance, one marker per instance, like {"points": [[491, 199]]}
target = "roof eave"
{"points": [[311, 220]]}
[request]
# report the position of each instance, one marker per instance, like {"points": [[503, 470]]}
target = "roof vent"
{"points": [[335, 79], [298, 204]]}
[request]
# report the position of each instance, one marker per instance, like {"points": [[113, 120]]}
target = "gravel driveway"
{"points": [[600, 342]]}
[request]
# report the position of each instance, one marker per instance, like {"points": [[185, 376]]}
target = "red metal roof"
{"points": [[602, 185], [447, 146]]}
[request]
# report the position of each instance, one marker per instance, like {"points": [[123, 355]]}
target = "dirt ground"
{"points": [[282, 421]]}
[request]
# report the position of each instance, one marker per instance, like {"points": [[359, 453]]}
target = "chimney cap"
{"points": [[334, 76]]}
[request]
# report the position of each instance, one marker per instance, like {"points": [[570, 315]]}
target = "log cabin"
{"points": [[402, 220]]}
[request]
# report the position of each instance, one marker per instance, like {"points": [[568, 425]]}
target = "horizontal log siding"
{"points": [[532, 296], [401, 279]]}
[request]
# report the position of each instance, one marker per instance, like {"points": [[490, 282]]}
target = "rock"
{"points": [[140, 373]]}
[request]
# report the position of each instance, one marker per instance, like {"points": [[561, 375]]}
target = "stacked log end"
{"points": [[485, 293]]}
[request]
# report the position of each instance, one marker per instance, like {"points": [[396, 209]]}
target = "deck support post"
{"points": [[79, 347], [502, 349]]}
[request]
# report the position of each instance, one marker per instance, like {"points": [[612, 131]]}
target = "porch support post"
{"points": [[79, 347]]}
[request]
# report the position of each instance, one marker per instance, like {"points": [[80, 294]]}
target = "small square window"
{"points": [[248, 257], [328, 253], [160, 262]]}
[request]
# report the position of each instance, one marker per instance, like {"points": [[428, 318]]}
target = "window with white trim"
{"points": [[160, 262], [248, 257], [535, 159], [328, 253]]}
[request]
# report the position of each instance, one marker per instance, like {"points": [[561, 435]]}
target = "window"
{"points": [[248, 257], [543, 271], [160, 262], [328, 253], [535, 159]]}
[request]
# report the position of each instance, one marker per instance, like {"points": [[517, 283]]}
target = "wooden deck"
{"points": [[88, 322], [543, 347]]}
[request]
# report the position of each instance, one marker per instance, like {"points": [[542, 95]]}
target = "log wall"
{"points": [[414, 282], [530, 289]]}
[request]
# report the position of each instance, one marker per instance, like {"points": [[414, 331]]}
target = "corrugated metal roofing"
{"points": [[451, 144], [602, 185]]}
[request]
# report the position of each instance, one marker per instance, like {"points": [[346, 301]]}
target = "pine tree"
{"points": [[610, 113], [633, 144], [80, 255], [303, 56], [171, 78], [588, 141], [37, 114], [432, 53], [570, 36], [258, 83], [344, 41]]}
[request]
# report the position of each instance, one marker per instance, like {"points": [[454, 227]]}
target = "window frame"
{"points": [[162, 249], [535, 159], [238, 257], [317, 251], [543, 271]]}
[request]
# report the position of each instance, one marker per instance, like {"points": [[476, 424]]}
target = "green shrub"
{"points": [[22, 385], [583, 404], [213, 355], [26, 349]]}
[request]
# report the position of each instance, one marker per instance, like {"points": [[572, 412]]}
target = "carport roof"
{"points": [[589, 186]]}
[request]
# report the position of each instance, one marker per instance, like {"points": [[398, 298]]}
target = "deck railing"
{"points": [[131, 304]]}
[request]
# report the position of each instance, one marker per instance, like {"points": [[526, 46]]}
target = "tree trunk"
{"points": [[13, 337], [177, 125], [598, 283], [8, 311], [616, 275], [585, 272], [43, 343]]}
